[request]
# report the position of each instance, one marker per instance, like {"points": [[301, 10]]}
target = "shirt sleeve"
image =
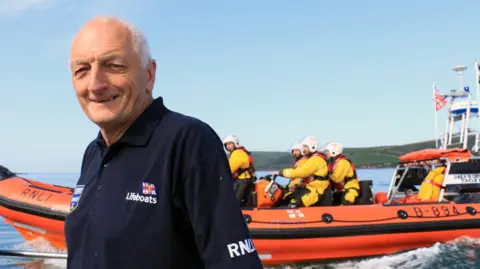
{"points": [[220, 231]]}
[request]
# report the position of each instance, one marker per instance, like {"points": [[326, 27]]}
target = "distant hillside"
{"points": [[374, 157]]}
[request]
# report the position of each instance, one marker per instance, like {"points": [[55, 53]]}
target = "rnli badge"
{"points": [[76, 197], [148, 188], [148, 194]]}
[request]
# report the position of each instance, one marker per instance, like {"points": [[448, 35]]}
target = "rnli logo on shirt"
{"points": [[149, 194], [76, 197], [148, 188], [241, 248]]}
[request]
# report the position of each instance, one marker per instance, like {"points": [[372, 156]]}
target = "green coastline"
{"points": [[367, 157]]}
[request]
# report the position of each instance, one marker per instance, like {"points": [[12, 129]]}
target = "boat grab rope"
{"points": [[419, 213]]}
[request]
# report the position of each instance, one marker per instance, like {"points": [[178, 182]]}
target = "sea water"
{"points": [[461, 253]]}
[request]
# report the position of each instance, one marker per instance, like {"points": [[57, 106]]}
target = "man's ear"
{"points": [[151, 75]]}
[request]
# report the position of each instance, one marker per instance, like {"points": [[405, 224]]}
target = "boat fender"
{"points": [[472, 211], [402, 214], [327, 218], [247, 218]]}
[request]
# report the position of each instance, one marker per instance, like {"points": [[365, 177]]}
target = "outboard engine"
{"points": [[5, 173]]}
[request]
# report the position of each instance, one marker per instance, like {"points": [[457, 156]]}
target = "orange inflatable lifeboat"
{"points": [[33, 208], [378, 224]]}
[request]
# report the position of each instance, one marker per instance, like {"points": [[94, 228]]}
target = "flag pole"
{"points": [[435, 115]]}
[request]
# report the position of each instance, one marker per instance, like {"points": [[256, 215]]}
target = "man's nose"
{"points": [[98, 80]]}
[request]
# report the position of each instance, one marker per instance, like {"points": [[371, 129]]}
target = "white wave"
{"points": [[459, 253], [41, 245], [418, 258]]}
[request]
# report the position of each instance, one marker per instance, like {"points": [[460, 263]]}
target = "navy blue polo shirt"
{"points": [[160, 197]]}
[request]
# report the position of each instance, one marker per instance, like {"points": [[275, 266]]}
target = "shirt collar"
{"points": [[139, 133]]}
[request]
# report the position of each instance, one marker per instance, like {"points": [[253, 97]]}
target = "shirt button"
{"points": [[99, 187], [95, 254], [105, 165]]}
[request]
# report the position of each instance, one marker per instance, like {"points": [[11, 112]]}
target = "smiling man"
{"points": [[155, 189]]}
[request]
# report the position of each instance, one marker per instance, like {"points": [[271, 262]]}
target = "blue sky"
{"points": [[270, 71]]}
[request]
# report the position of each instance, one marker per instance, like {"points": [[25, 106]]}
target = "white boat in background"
{"points": [[462, 110], [460, 107]]}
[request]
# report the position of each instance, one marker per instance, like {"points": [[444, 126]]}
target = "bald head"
{"points": [[123, 30], [112, 72]]}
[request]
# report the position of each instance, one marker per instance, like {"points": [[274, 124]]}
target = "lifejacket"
{"points": [[314, 177], [295, 163], [429, 181], [339, 186], [250, 169]]}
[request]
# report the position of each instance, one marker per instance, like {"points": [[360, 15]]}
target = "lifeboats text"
{"points": [[36, 195], [442, 212]]}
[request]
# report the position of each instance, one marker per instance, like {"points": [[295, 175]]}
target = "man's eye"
{"points": [[80, 70], [115, 66]]}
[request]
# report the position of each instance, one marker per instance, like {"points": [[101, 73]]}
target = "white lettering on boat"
{"points": [[295, 213], [468, 178], [462, 179]]}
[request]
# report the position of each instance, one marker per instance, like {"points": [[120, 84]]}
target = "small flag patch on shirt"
{"points": [[148, 188]]}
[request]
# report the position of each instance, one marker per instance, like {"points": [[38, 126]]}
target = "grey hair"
{"points": [[139, 41]]}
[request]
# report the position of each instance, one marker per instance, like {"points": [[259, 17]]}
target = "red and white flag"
{"points": [[440, 102]]}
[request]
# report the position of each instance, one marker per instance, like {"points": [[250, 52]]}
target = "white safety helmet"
{"points": [[299, 147], [311, 142], [334, 149], [233, 139]]}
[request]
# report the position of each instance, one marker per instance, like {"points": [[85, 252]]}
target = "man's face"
{"points": [[230, 146], [306, 149], [296, 153], [107, 75]]}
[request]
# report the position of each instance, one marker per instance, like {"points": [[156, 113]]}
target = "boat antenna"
{"points": [[462, 112], [459, 69], [458, 112]]}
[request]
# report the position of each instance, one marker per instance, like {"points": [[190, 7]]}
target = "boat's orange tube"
{"points": [[317, 233], [35, 208], [280, 235]]}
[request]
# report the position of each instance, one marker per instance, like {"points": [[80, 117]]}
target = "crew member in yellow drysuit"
{"points": [[243, 172], [299, 160], [343, 175], [432, 185], [316, 188]]}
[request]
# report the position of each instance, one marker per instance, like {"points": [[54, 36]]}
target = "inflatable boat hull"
{"points": [[280, 235], [35, 209], [283, 236]]}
